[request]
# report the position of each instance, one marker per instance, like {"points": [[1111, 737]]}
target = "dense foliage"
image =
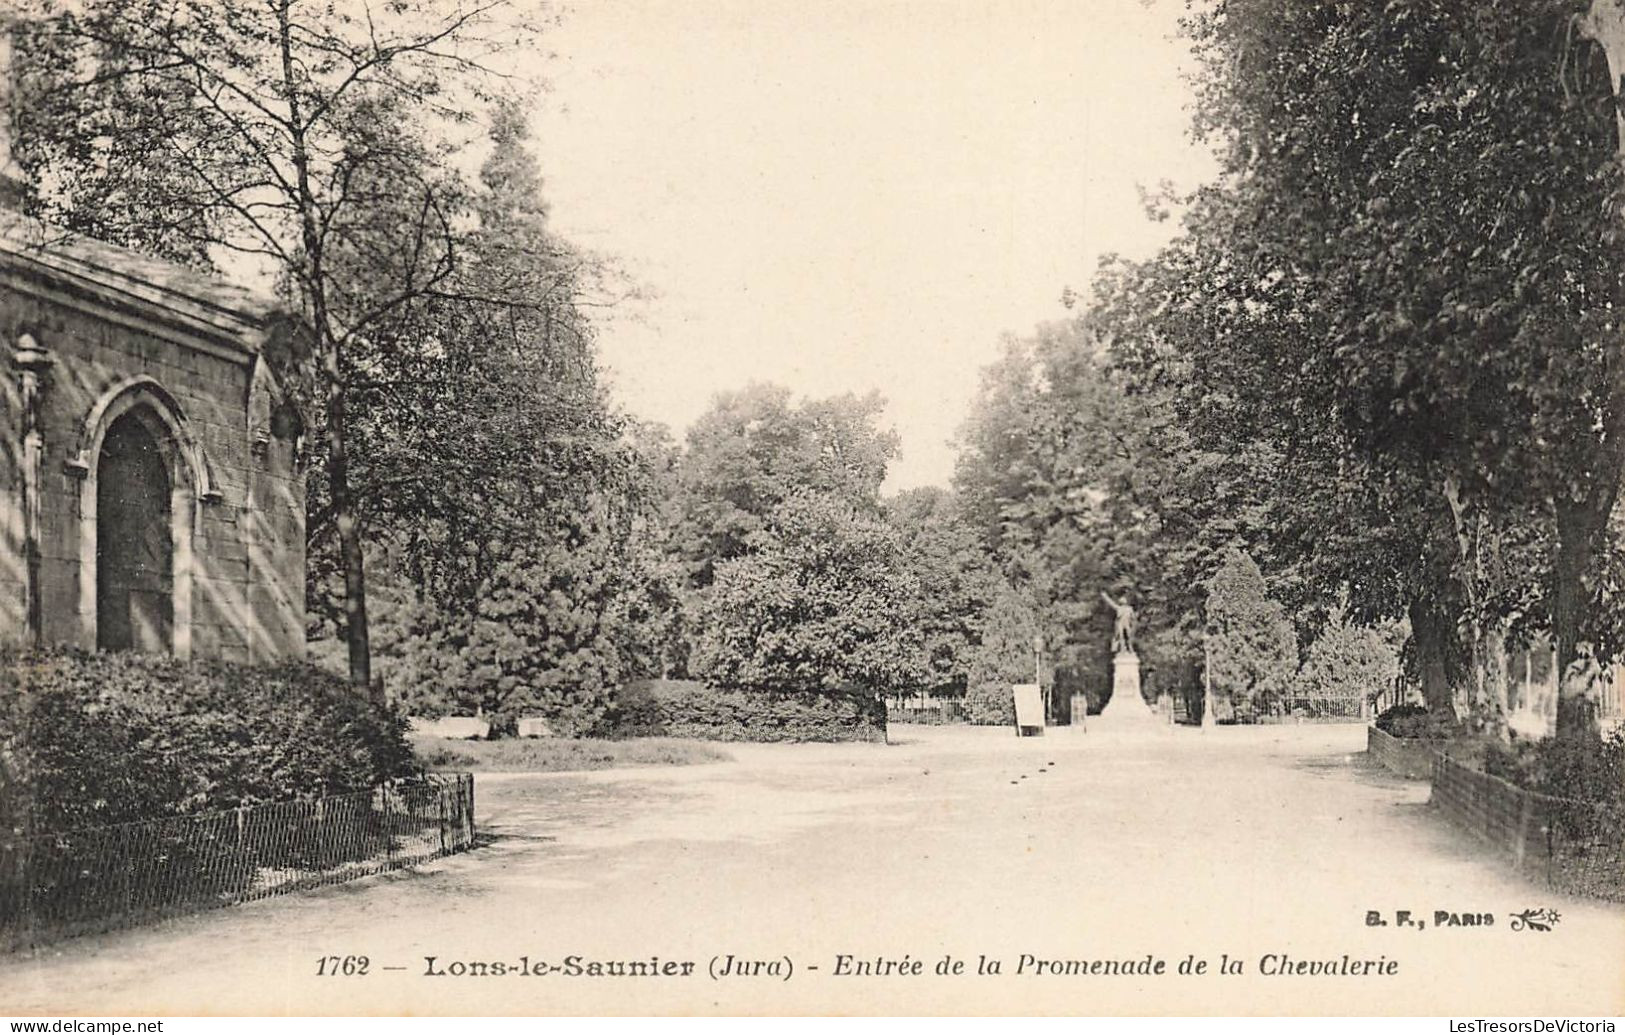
{"points": [[821, 601], [1252, 650], [687, 708], [1367, 394], [1578, 770], [1404, 285], [94, 739], [1416, 722]]}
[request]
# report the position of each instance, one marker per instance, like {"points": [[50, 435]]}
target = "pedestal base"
{"points": [[1127, 706]]}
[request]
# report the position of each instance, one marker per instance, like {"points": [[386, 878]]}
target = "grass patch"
{"points": [[561, 755]]}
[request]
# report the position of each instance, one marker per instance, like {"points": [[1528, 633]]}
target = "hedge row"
{"points": [[92, 739], [683, 708], [1584, 769], [1415, 722]]}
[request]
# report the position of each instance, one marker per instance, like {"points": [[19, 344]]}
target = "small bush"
{"points": [[1346, 664], [1587, 824], [1414, 722], [92, 739], [990, 704], [1584, 770], [684, 708]]}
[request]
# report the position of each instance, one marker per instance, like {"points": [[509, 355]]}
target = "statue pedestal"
{"points": [[1127, 706]]}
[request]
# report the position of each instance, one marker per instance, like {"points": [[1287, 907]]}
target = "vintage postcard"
{"points": [[842, 507]]}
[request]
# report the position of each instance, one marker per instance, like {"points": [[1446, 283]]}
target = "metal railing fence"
{"points": [[55, 885]]}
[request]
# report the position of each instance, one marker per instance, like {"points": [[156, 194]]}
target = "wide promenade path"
{"points": [[1263, 846]]}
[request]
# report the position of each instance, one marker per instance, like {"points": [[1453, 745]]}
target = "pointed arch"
{"points": [[126, 395], [190, 483]]}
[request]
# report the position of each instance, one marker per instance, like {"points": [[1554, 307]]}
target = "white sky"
{"points": [[847, 195]]}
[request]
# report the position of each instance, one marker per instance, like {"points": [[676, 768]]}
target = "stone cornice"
{"points": [[138, 291]]}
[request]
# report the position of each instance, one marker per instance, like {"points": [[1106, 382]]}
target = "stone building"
{"points": [[151, 490]]}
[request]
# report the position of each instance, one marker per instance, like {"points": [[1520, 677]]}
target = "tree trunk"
{"points": [[1432, 638], [1478, 570], [314, 275], [1577, 532], [349, 532], [1490, 709]]}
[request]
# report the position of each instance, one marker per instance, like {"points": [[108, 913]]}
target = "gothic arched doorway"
{"points": [[134, 540]]}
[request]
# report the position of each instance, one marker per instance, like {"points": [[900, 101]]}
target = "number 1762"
{"points": [[342, 966]]}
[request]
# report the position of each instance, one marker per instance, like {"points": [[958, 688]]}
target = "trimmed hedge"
{"points": [[1415, 722], [990, 704], [686, 708], [93, 739]]}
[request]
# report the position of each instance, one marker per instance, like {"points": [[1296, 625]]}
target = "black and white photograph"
{"points": [[812, 508]]}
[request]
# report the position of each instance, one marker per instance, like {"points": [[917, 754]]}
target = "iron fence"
{"points": [[55, 885], [934, 713]]}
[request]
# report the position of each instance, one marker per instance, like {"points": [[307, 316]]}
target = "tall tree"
{"points": [[517, 504], [1404, 266], [312, 138], [1252, 651], [822, 602], [757, 447]]}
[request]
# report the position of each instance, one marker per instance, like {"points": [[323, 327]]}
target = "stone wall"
{"points": [[127, 335], [1509, 818], [1573, 846], [1407, 757]]}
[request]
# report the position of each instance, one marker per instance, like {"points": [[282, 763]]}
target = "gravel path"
{"points": [[1093, 856]]}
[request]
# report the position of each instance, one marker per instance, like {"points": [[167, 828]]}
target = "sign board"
{"points": [[453, 727], [535, 727], [1029, 705]]}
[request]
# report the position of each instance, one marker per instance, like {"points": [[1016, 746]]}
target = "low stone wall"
{"points": [[1410, 758], [1576, 846], [1509, 818]]}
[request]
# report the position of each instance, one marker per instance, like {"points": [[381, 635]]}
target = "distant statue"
{"points": [[1123, 634]]}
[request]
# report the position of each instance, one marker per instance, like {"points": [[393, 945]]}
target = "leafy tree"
{"points": [[1252, 649], [1363, 282], [489, 456], [1348, 662], [477, 410], [955, 581], [540, 640], [755, 448], [1478, 367], [309, 138], [821, 602]]}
